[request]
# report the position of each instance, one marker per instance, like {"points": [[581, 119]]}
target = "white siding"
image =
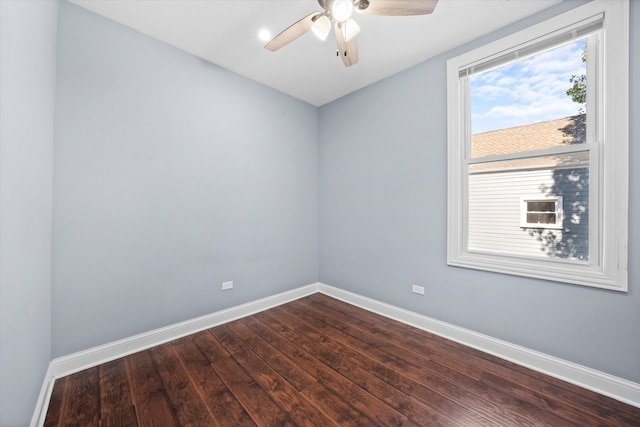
{"points": [[494, 212]]}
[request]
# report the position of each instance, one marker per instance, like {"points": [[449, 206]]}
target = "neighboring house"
{"points": [[534, 206]]}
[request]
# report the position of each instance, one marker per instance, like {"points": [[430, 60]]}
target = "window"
{"points": [[541, 213], [538, 150]]}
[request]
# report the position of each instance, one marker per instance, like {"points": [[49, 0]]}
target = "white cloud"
{"points": [[527, 91]]}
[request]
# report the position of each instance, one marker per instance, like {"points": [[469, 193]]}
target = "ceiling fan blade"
{"points": [[395, 7], [348, 50], [292, 32]]}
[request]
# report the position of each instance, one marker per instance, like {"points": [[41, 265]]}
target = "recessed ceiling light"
{"points": [[264, 35]]}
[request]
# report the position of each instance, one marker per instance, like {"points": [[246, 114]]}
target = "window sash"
{"points": [[594, 119], [578, 148], [537, 45]]}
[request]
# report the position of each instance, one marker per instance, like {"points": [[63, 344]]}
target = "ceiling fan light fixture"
{"points": [[341, 10], [349, 28], [337, 13], [321, 27]]}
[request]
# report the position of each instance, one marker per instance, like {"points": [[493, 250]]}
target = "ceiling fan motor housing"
{"points": [[357, 4]]}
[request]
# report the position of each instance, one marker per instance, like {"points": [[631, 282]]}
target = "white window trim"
{"points": [[608, 262], [559, 213]]}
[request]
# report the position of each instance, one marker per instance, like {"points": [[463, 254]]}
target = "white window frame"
{"points": [[609, 171], [558, 212]]}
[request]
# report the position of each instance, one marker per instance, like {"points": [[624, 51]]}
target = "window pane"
{"points": [[530, 104], [541, 206], [541, 218], [496, 191]]}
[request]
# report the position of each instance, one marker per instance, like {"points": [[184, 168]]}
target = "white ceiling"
{"points": [[224, 32]]}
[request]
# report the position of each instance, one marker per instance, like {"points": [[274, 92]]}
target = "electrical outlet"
{"points": [[227, 286], [417, 289]]}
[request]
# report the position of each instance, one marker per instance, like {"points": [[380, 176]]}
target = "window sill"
{"points": [[564, 271]]}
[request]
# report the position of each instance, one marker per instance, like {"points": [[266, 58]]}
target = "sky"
{"points": [[530, 90]]}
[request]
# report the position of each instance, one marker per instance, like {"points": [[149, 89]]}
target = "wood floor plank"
{"points": [[115, 391], [504, 407], [256, 401], [81, 405], [335, 357], [446, 408], [424, 345], [331, 398], [410, 378], [335, 406], [318, 361], [563, 399], [185, 400], [556, 395], [56, 402], [273, 356], [149, 396], [554, 404], [361, 399], [401, 360], [126, 417], [221, 402], [482, 364], [300, 409]]}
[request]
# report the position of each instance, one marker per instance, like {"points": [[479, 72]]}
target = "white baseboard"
{"points": [[600, 382], [608, 385], [42, 403], [75, 362], [66, 365]]}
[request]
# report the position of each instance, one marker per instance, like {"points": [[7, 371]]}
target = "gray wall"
{"points": [[383, 216], [27, 85], [172, 175]]}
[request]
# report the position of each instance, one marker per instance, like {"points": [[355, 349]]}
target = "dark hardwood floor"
{"points": [[320, 362]]}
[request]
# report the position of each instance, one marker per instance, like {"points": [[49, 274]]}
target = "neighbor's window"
{"points": [[541, 213], [543, 113]]}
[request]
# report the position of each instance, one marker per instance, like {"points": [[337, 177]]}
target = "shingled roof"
{"points": [[536, 136]]}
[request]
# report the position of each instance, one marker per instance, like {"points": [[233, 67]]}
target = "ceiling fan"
{"points": [[339, 12]]}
